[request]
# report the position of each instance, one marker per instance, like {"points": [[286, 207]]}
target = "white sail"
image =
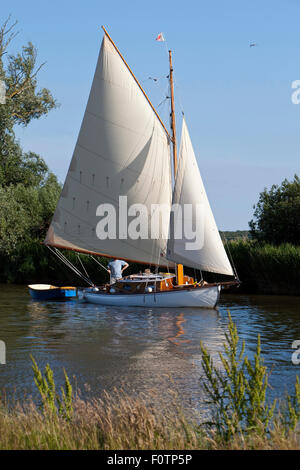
{"points": [[122, 150], [207, 252]]}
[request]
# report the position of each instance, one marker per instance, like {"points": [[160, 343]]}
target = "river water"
{"points": [[141, 350]]}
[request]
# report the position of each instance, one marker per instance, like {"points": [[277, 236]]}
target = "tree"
{"points": [[26, 212], [277, 214], [28, 190], [23, 102]]}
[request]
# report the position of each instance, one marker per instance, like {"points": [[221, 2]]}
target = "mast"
{"points": [[173, 125], [179, 267]]}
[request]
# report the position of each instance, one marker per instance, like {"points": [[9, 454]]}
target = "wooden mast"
{"points": [[179, 267], [173, 125]]}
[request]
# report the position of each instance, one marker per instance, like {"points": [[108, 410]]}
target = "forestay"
{"points": [[122, 150], [206, 252]]}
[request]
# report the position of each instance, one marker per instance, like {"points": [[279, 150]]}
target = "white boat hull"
{"points": [[206, 297]]}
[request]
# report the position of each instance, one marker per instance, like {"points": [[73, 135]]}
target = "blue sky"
{"points": [[237, 100]]}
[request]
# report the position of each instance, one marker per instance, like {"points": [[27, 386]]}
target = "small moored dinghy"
{"points": [[48, 292]]}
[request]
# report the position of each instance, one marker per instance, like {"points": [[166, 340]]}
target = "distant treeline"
{"points": [[238, 234]]}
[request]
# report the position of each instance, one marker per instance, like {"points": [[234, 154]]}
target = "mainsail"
{"points": [[207, 252], [122, 150]]}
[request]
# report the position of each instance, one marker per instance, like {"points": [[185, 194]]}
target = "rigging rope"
{"points": [[87, 275], [98, 262], [163, 101], [230, 256], [178, 94], [70, 265]]}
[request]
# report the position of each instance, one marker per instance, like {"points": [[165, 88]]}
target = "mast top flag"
{"points": [[160, 37]]}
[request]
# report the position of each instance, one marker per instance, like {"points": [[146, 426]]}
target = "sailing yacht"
{"points": [[122, 164]]}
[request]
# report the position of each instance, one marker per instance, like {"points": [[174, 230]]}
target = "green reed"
{"points": [[265, 268], [60, 405], [237, 392]]}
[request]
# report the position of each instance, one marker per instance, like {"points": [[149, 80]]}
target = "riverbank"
{"points": [[121, 423], [262, 268]]}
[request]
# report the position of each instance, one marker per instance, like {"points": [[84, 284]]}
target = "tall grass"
{"points": [[265, 268], [242, 418], [114, 421], [118, 421], [52, 402]]}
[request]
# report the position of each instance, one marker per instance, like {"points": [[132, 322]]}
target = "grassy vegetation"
{"points": [[241, 417], [118, 421], [265, 268]]}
